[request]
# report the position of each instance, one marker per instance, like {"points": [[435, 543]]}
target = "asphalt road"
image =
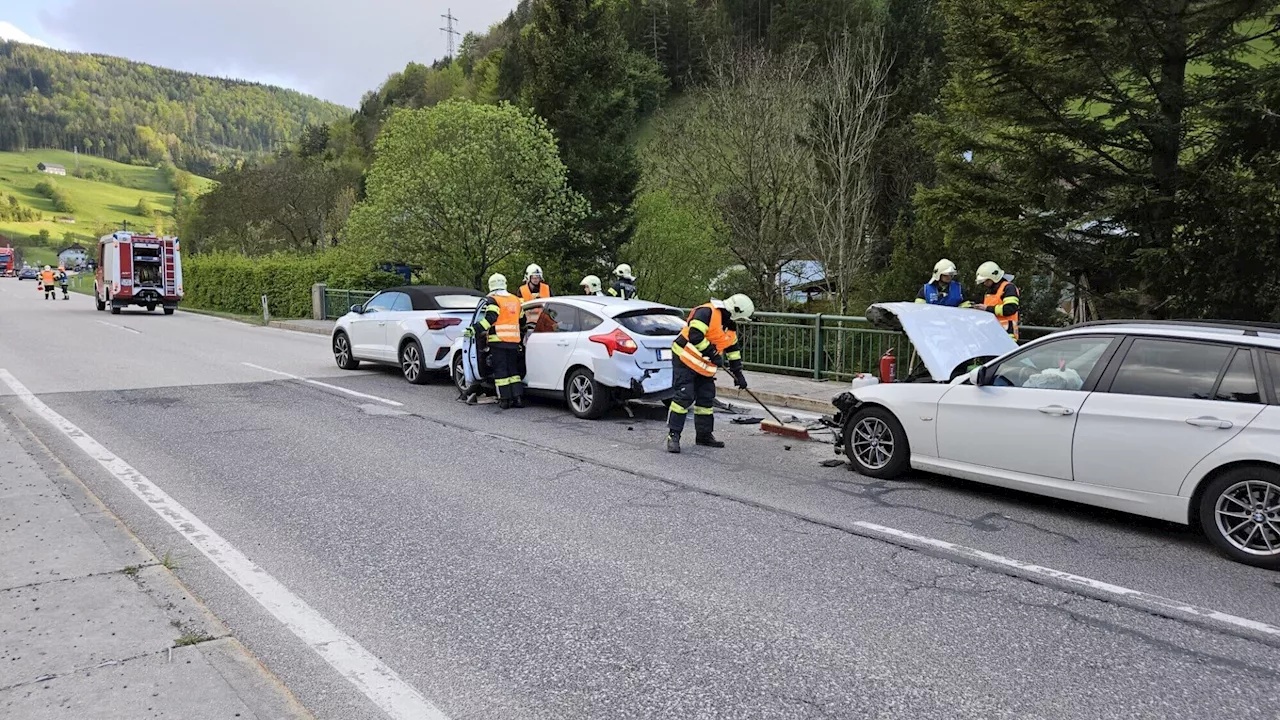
{"points": [[526, 564]]}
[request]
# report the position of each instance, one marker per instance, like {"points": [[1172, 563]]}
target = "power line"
{"points": [[449, 32]]}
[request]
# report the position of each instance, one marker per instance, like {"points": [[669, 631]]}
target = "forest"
{"points": [[135, 113], [1120, 158]]}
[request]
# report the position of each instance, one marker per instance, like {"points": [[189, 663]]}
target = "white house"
{"points": [[73, 256], [51, 168]]}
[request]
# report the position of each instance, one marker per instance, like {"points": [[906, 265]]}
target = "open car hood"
{"points": [[944, 337]]}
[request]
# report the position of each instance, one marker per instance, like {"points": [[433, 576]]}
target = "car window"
{"points": [[380, 302], [557, 318], [1058, 365], [456, 302], [657, 321], [1273, 360], [588, 321], [402, 303], [1168, 368], [1239, 384]]}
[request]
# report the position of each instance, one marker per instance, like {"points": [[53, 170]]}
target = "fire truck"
{"points": [[8, 261], [141, 270]]}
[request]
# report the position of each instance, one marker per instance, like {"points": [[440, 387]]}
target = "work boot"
{"points": [[673, 443], [518, 402], [708, 441], [504, 404]]}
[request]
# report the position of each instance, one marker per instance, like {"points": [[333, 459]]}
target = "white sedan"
{"points": [[593, 351], [412, 327], [1172, 420]]}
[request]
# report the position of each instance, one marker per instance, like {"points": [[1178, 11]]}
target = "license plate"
{"points": [[664, 354]]}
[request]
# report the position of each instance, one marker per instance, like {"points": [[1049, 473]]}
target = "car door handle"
{"points": [[563, 343], [1056, 410], [1210, 422], [381, 324]]}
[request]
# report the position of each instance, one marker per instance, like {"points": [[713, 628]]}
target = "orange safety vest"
{"points": [[526, 294], [507, 329], [46, 276], [694, 357], [995, 298]]}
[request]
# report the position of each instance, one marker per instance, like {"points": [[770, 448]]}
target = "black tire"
{"points": [[1244, 533], [866, 434], [151, 308], [102, 305], [115, 309], [169, 311], [585, 397], [457, 374], [341, 346], [411, 363]]}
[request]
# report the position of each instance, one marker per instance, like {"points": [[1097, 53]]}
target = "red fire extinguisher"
{"points": [[888, 367]]}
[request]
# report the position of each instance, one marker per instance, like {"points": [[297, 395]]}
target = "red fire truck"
{"points": [[142, 270], [8, 260]]}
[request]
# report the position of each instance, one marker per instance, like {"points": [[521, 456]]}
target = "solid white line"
{"points": [[348, 391], [119, 327], [360, 667], [1065, 577]]}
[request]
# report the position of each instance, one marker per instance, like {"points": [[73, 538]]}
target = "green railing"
{"points": [[338, 302]]}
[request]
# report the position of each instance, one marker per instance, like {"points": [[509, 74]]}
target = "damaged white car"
{"points": [[1172, 420]]}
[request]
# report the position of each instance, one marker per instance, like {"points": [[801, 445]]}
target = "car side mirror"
{"points": [[980, 376], [357, 309]]}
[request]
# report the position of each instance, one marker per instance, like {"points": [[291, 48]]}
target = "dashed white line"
{"points": [[361, 668], [318, 383], [119, 327]]}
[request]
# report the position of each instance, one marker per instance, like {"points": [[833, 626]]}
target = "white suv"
{"points": [[1172, 420]]}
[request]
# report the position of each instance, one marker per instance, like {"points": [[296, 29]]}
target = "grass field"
{"points": [[96, 202]]}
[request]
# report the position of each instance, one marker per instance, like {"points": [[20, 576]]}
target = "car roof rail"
{"points": [[1247, 327]]}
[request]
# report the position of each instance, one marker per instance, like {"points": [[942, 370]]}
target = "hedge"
{"points": [[235, 284]]}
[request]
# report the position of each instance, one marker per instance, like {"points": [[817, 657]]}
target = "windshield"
{"points": [[655, 321], [457, 302]]}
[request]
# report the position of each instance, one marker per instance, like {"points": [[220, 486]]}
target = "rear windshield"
{"points": [[457, 302], [657, 321]]}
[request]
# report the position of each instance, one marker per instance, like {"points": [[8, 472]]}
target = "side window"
{"points": [[557, 318], [1239, 384], [402, 303], [1058, 365], [1273, 360], [1168, 368], [380, 302], [588, 321]]}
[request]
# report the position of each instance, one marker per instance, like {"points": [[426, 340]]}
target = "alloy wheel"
{"points": [[341, 350], [1248, 516], [581, 393], [872, 443], [411, 362]]}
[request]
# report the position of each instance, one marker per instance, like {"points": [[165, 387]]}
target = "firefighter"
{"points": [[62, 281], [533, 286], [47, 278], [1001, 297], [591, 285], [709, 339], [501, 324], [624, 283], [943, 288]]}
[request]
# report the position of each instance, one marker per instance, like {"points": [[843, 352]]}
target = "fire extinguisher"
{"points": [[888, 367]]}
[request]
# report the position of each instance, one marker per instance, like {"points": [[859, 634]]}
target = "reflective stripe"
{"points": [[699, 410], [735, 355], [492, 308], [484, 323], [679, 409], [699, 325], [507, 381], [507, 329], [694, 361], [702, 346]]}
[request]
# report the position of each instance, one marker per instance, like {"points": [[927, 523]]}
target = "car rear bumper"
{"points": [[635, 383]]}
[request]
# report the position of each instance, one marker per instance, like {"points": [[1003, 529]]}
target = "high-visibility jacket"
{"points": [[502, 318], [46, 277], [624, 289], [544, 291], [709, 325], [933, 295], [1003, 301]]}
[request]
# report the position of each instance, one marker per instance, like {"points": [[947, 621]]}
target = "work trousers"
{"points": [[693, 391], [505, 358]]}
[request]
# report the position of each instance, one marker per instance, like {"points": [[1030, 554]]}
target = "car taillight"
{"points": [[616, 341], [442, 323]]}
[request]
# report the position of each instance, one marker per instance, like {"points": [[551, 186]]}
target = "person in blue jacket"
{"points": [[943, 288]]}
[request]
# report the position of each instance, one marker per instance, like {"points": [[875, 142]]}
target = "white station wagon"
{"points": [[1172, 420]]}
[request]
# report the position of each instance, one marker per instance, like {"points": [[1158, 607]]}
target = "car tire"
{"points": [[102, 305], [168, 311], [586, 398], [342, 353], [866, 435], [457, 373], [411, 364], [115, 309], [1239, 532]]}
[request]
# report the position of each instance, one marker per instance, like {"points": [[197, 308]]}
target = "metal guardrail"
{"points": [[818, 346]]}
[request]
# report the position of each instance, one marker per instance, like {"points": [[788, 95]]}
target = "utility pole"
{"points": [[449, 32]]}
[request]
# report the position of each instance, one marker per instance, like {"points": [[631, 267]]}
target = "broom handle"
{"points": [[766, 407]]}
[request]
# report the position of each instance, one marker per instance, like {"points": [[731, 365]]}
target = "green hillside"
{"points": [[97, 204]]}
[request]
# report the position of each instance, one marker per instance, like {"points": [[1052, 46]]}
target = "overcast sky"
{"points": [[334, 49]]}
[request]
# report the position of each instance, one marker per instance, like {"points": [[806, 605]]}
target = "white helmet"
{"points": [[533, 269], [944, 267], [990, 271], [591, 284], [624, 271], [497, 281], [740, 307]]}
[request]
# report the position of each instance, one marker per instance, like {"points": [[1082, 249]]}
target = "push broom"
{"points": [[776, 426]]}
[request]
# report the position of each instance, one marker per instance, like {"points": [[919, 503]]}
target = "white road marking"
{"points": [[348, 391], [119, 327], [1070, 579], [361, 668]]}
